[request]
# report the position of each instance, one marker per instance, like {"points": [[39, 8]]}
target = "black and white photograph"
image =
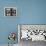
{"points": [[10, 11]]}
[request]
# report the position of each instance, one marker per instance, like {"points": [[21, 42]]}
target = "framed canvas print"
{"points": [[32, 32], [10, 11]]}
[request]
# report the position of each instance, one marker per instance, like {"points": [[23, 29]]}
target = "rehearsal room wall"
{"points": [[28, 12]]}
